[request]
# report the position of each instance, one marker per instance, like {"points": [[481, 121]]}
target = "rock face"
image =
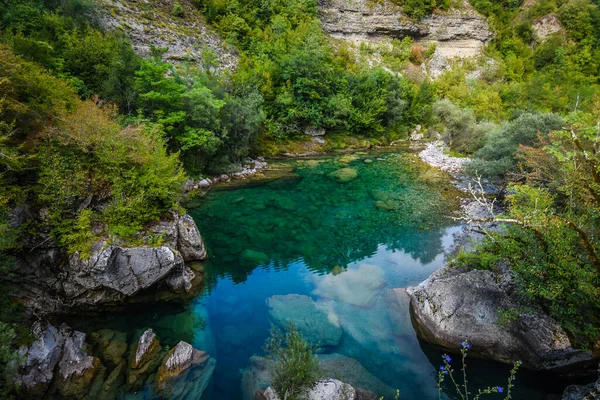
{"points": [[459, 32], [587, 392], [452, 306], [184, 373], [313, 323], [153, 24], [113, 274], [330, 389]]}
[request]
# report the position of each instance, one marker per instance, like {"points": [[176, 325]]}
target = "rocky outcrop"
{"points": [[459, 32], [184, 373], [587, 392], [113, 274], [315, 324], [330, 389], [153, 24], [451, 306], [546, 26], [60, 364]]}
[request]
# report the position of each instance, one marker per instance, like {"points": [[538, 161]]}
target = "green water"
{"points": [[309, 215]]}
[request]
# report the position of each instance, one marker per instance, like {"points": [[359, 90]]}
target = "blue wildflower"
{"points": [[465, 344], [499, 389], [446, 358], [442, 368]]}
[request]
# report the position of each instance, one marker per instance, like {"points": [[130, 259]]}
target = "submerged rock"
{"points": [[359, 287], [110, 345], [449, 308], [318, 326], [344, 175], [253, 258], [184, 373]]}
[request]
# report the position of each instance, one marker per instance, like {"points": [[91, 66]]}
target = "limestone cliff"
{"points": [[458, 32]]}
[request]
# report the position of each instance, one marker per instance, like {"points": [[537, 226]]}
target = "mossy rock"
{"points": [[344, 175], [348, 158], [251, 257], [385, 205]]}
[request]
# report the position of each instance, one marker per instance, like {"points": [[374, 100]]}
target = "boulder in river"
{"points": [[344, 175], [450, 307], [586, 392], [57, 361], [144, 358], [330, 389], [317, 325], [184, 373]]}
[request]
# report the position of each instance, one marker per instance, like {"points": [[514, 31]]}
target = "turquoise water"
{"points": [[345, 245]]}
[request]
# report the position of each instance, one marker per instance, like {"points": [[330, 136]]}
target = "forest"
{"points": [[97, 141]]}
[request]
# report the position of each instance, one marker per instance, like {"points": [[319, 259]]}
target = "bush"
{"points": [[178, 10], [295, 369]]}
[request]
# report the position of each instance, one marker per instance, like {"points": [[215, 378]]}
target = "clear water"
{"points": [[346, 245]]}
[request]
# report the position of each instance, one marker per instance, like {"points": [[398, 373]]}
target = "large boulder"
{"points": [[189, 242], [450, 307], [318, 326], [79, 374], [184, 373], [41, 358], [330, 389], [57, 361], [587, 392]]}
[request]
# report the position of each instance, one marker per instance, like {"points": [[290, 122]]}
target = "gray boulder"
{"points": [[450, 307], [189, 242], [330, 389], [57, 361], [144, 359], [41, 358], [184, 373], [317, 325], [587, 392]]}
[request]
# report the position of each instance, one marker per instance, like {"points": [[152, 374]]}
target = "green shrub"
{"points": [[295, 369], [178, 10]]}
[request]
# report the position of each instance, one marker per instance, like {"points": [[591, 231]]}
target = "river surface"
{"points": [[346, 246]]}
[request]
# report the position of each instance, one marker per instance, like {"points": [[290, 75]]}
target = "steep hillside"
{"points": [[177, 26]]}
